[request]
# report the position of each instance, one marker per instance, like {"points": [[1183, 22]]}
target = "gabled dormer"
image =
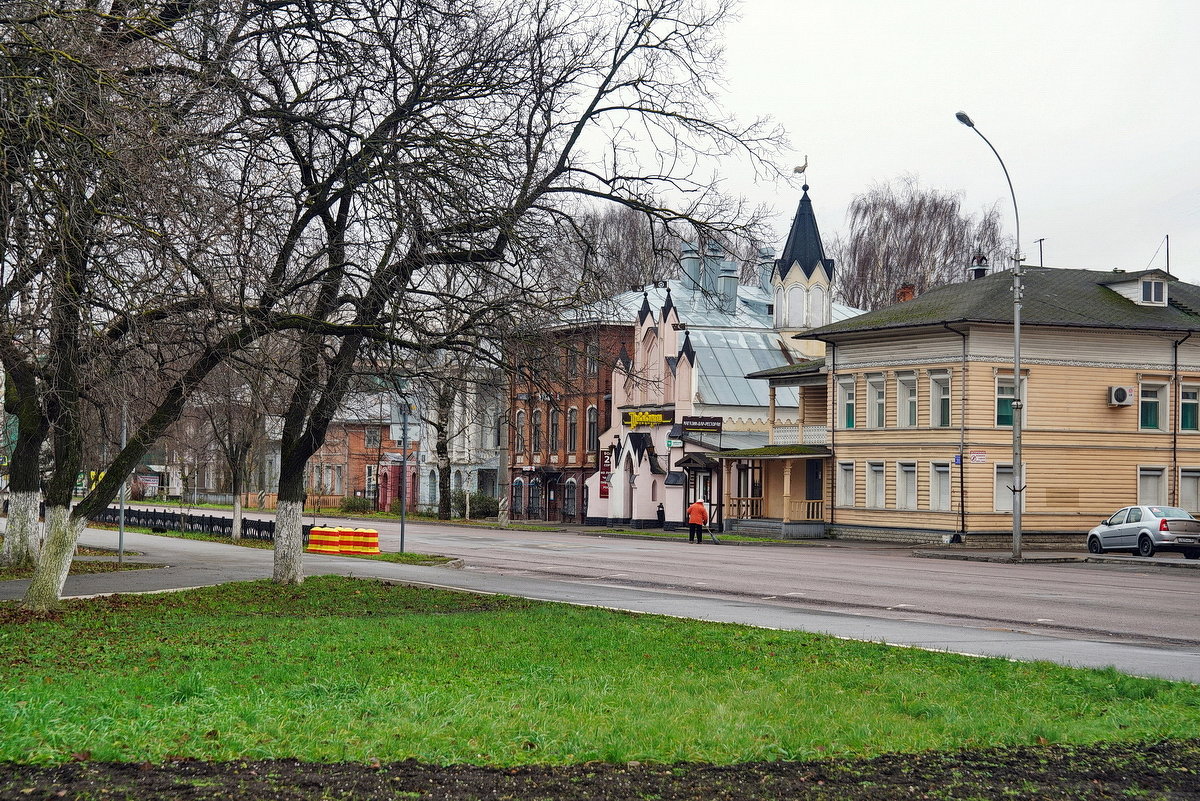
{"points": [[1145, 287]]}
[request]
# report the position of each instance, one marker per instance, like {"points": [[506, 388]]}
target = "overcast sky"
{"points": [[1092, 105]]}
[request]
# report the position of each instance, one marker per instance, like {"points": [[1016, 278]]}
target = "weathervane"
{"points": [[803, 168]]}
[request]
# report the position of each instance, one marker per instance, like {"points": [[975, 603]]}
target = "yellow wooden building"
{"points": [[904, 429]]}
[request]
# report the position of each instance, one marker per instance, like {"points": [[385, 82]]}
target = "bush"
{"points": [[356, 505], [482, 504]]}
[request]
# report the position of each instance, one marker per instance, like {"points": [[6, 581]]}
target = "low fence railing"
{"points": [[190, 523]]}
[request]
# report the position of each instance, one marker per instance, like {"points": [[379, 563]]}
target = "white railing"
{"points": [[816, 435], [787, 435]]}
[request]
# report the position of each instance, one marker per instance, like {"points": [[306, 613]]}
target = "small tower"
{"points": [[802, 275]]}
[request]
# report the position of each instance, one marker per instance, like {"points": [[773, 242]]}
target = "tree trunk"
{"points": [[289, 525], [235, 528], [23, 536], [62, 534]]}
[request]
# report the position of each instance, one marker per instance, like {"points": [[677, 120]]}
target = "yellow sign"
{"points": [[635, 419]]}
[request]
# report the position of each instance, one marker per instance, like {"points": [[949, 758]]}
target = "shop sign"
{"points": [[635, 419], [605, 472], [709, 425]]}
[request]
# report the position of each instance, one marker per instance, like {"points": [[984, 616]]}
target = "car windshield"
{"points": [[1170, 511]]}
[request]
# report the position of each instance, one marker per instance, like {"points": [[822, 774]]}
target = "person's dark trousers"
{"points": [[696, 532]]}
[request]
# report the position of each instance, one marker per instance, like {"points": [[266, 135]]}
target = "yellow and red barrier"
{"points": [[360, 540], [322, 539]]}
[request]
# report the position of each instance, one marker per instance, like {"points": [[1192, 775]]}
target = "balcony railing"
{"points": [[745, 508], [796, 435], [799, 509]]}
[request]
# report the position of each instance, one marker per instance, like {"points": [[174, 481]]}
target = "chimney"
{"points": [[711, 269], [689, 258], [727, 286], [905, 293], [979, 266]]}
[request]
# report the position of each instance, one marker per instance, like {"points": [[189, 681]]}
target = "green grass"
{"points": [[343, 669], [78, 568]]}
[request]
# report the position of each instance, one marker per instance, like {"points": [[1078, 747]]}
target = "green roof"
{"points": [[799, 368], [1051, 297]]}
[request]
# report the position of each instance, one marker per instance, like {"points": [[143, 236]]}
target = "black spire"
{"points": [[803, 244]]}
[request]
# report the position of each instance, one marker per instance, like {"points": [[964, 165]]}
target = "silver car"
{"points": [[1147, 529]]}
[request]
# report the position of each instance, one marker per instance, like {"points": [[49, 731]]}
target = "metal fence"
{"points": [[180, 521]]}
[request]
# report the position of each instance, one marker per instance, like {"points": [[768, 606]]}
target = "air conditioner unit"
{"points": [[1121, 396]]}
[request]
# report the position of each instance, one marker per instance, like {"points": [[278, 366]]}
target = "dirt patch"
{"points": [[1168, 770]]}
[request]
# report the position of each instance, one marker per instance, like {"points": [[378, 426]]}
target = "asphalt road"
{"points": [[1133, 616]]}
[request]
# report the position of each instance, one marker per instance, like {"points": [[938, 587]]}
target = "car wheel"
{"points": [[1145, 546], [1094, 545]]}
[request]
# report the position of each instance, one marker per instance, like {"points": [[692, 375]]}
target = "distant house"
{"points": [[680, 393], [918, 399]]}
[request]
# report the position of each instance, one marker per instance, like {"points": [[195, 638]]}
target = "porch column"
{"points": [[771, 416], [729, 513], [787, 491]]}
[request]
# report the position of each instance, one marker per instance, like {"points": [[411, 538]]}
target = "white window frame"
{"points": [[1154, 287], [940, 387], [876, 400], [906, 485], [1005, 387], [940, 494], [845, 484], [906, 400], [1189, 489], [876, 485], [1151, 472], [1158, 398], [846, 403], [1001, 494], [1192, 403]]}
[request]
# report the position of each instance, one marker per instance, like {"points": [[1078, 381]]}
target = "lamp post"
{"points": [[1018, 405]]}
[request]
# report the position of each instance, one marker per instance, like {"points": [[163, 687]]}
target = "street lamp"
{"points": [[1018, 487]]}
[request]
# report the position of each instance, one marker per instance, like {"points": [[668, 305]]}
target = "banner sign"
{"points": [[709, 425], [635, 419], [605, 471]]}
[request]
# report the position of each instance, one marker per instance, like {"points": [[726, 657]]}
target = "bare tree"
{"points": [[902, 233]]}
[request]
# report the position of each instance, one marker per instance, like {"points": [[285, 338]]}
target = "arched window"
{"points": [[433, 487], [535, 498], [780, 308], [593, 429], [458, 480], [535, 436], [518, 496], [816, 307], [795, 307], [555, 422], [569, 497], [572, 430], [654, 490], [520, 432]]}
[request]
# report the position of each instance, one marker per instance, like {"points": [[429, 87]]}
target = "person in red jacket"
{"points": [[697, 516]]}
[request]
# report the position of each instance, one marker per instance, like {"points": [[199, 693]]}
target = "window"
{"points": [[1189, 489], [939, 486], [372, 438], [876, 401], [816, 307], [875, 485], [939, 400], [845, 484], [569, 497], [496, 431], [572, 429], [1189, 408], [572, 363], [555, 420], [593, 358], [1152, 486], [1154, 292], [518, 495], [534, 509], [536, 430], [1150, 415], [1003, 488], [1005, 392], [906, 399], [520, 432], [796, 307], [593, 430], [906, 485], [846, 402]]}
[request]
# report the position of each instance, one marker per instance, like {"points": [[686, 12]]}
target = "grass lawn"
{"points": [[344, 669]]}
